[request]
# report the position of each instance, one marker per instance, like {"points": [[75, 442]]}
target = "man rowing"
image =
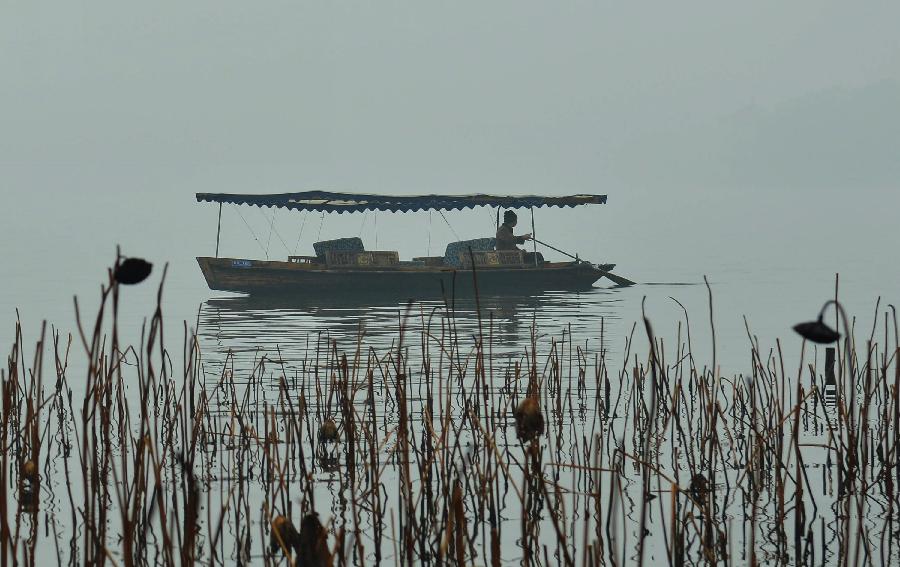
{"points": [[506, 240]]}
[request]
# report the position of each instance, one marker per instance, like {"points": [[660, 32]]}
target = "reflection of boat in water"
{"points": [[367, 300], [297, 325], [344, 266]]}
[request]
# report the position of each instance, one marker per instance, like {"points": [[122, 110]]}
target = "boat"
{"points": [[344, 266]]}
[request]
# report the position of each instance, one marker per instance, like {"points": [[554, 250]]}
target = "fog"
{"points": [[758, 134]]}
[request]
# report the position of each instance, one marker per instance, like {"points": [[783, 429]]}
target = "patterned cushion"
{"points": [[352, 244], [455, 249]]}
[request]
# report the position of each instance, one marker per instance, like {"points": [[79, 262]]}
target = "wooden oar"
{"points": [[618, 280]]}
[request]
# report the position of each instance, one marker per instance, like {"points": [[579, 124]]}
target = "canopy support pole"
{"points": [[496, 228], [533, 241], [218, 230]]}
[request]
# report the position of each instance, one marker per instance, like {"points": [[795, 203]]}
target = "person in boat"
{"points": [[506, 240]]}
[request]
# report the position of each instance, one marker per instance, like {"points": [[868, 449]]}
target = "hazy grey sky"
{"points": [[720, 130], [411, 96]]}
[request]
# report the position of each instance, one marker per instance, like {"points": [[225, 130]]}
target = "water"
{"points": [[296, 340], [253, 342]]}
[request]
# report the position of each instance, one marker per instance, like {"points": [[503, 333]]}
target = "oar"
{"points": [[618, 280]]}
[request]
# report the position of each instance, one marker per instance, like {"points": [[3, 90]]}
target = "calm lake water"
{"points": [[770, 256], [241, 336], [772, 299]]}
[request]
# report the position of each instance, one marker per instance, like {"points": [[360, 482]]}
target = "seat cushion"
{"points": [[352, 244], [452, 256]]}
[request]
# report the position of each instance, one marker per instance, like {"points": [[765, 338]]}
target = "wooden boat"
{"points": [[352, 269]]}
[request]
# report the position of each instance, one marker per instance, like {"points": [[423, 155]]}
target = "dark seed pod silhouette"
{"points": [[328, 432], [699, 488], [133, 271], [529, 419], [817, 332], [284, 536], [312, 549]]}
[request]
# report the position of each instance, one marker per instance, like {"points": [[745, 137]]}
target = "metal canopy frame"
{"points": [[331, 202], [325, 201]]}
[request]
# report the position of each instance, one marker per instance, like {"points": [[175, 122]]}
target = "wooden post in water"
{"points": [[830, 382], [218, 230]]}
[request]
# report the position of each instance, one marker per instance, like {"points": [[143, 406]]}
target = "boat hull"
{"points": [[265, 277]]}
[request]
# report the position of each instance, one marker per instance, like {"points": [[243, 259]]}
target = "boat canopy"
{"points": [[325, 201]]}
